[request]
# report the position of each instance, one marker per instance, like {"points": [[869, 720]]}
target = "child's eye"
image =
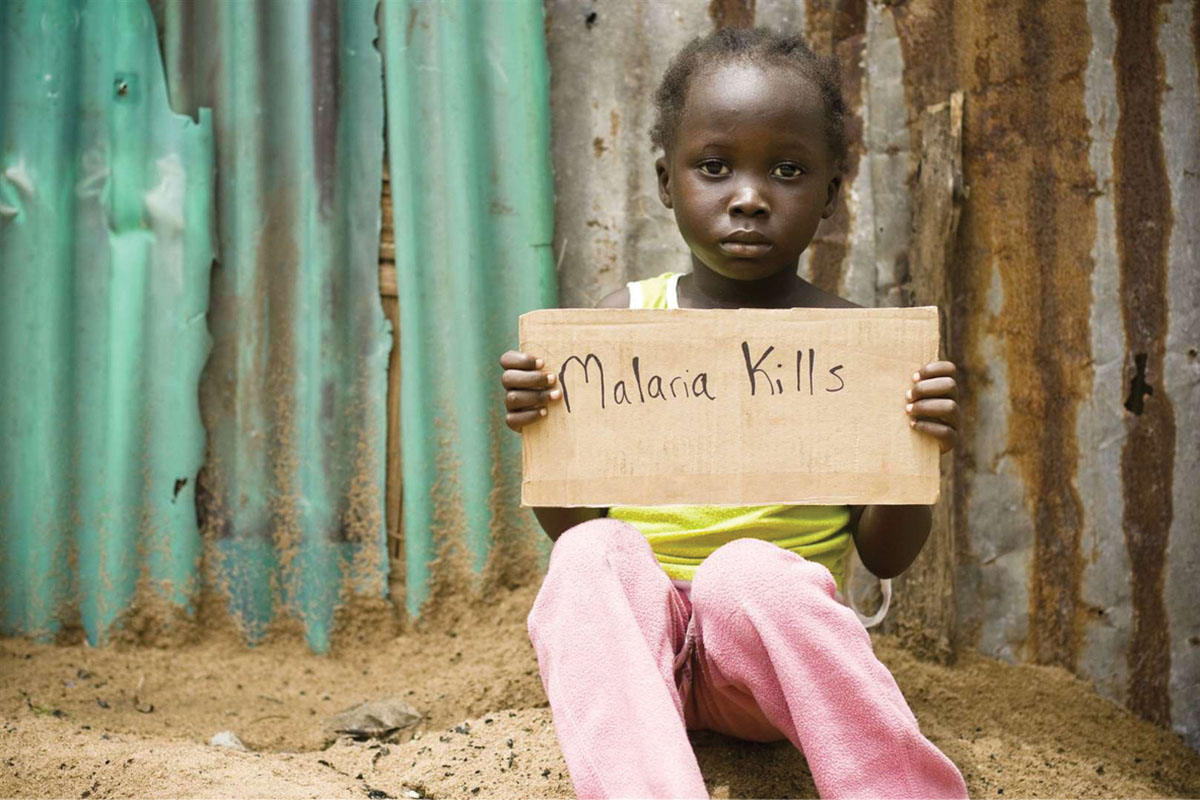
{"points": [[787, 171], [713, 167]]}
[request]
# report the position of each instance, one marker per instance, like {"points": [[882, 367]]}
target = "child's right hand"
{"points": [[527, 389]]}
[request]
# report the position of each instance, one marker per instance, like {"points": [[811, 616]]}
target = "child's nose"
{"points": [[748, 201]]}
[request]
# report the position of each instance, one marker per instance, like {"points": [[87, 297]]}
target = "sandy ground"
{"points": [[125, 721]]}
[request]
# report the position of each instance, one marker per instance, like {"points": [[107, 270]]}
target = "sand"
{"points": [[124, 721]]}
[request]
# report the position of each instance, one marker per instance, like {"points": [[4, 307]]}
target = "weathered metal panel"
{"points": [[1076, 285], [1105, 586], [291, 502], [1181, 360], [105, 251], [468, 144], [108, 262], [606, 59]]}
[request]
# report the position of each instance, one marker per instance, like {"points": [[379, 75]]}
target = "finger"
{"points": [[946, 436], [938, 410], [521, 399], [519, 419], [935, 369], [525, 379], [515, 359], [934, 387]]}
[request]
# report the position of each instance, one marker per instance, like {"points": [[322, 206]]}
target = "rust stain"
{"points": [[598, 146], [931, 35], [1031, 220], [818, 20], [1143, 210], [843, 27], [929, 43], [1058, 125], [731, 13]]}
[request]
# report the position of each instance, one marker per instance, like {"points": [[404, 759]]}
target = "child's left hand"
{"points": [[932, 403]]}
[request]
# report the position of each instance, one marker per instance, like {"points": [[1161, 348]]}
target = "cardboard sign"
{"points": [[737, 407]]}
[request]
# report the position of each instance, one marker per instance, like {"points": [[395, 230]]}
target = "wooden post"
{"points": [[924, 616], [394, 498]]}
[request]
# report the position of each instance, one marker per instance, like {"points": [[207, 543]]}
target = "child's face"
{"points": [[749, 173]]}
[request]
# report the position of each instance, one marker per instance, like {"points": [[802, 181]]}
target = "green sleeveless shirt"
{"points": [[683, 536]]}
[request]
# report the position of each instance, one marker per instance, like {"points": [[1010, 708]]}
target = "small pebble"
{"points": [[227, 739]]}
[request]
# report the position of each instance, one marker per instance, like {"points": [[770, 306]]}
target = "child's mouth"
{"points": [[745, 249], [746, 244]]}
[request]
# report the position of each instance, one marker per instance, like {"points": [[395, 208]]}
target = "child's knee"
{"points": [[584, 556], [583, 547]]}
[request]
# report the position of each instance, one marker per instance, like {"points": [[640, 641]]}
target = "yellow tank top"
{"points": [[683, 536]]}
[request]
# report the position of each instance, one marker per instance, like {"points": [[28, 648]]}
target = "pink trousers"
{"points": [[762, 651]]}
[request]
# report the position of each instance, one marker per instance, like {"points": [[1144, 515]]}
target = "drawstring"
{"points": [[885, 588]]}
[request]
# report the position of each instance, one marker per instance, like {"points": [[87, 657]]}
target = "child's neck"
{"points": [[704, 288]]}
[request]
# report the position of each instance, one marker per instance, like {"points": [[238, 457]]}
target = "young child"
{"points": [[652, 621]]}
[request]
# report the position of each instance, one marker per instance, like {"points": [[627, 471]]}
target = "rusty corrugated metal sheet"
{"points": [[1076, 286], [291, 496], [105, 251]]}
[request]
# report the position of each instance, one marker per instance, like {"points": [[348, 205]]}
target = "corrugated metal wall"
{"points": [[292, 398], [1076, 285], [251, 205], [105, 251], [121, 217], [468, 145]]}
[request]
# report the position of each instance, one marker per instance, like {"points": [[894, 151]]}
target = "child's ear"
{"points": [[664, 181], [835, 186]]}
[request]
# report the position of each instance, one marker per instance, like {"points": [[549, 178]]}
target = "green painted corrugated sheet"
{"points": [[129, 230], [469, 149], [294, 395], [105, 219], [108, 256]]}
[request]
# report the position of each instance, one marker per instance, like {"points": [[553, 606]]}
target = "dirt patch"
{"points": [[77, 723]]}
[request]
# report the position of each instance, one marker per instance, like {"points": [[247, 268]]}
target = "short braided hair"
{"points": [[758, 46]]}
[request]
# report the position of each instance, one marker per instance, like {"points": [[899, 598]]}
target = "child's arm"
{"points": [[889, 538], [527, 393]]}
